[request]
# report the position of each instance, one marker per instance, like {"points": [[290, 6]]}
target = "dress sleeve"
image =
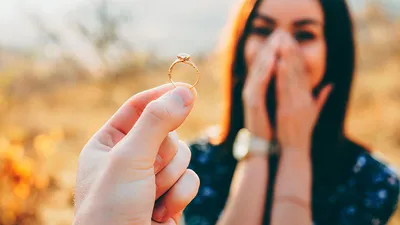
{"points": [[215, 176], [378, 201]]}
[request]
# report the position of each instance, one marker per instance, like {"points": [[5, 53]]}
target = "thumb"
{"points": [[158, 118]]}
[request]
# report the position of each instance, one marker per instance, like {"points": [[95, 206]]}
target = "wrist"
{"points": [[255, 160], [258, 129], [293, 199], [294, 176], [258, 124], [302, 150], [296, 157], [296, 152]]}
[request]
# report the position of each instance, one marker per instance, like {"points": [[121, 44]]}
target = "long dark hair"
{"points": [[331, 150]]}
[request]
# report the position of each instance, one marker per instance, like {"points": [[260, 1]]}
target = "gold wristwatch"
{"points": [[247, 145]]}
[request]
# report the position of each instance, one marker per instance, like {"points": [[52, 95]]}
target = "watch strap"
{"points": [[247, 145]]}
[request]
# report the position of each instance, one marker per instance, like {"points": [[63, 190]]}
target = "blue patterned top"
{"points": [[369, 197]]}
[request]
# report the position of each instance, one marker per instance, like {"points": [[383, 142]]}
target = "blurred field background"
{"points": [[50, 106]]}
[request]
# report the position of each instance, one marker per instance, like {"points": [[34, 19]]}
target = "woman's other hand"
{"points": [[255, 88], [297, 110], [133, 171]]}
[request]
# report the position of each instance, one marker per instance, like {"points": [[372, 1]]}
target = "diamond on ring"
{"points": [[183, 57]]}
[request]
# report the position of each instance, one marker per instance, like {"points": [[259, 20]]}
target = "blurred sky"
{"points": [[166, 27]]}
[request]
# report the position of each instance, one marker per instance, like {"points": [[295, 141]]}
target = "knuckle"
{"points": [[185, 151], [120, 163], [158, 111], [174, 137], [89, 159], [168, 143], [116, 158]]}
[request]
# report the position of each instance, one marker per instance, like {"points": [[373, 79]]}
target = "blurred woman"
{"points": [[289, 68]]}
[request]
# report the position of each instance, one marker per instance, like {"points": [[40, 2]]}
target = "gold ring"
{"points": [[183, 58]]}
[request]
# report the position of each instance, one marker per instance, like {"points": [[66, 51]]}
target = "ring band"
{"points": [[183, 58]]}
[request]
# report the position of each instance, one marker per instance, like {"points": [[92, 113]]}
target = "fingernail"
{"points": [[159, 213], [157, 163], [183, 95]]}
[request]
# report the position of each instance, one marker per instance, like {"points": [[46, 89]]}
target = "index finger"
{"points": [[265, 54]]}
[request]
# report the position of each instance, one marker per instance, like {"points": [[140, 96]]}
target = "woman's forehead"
{"points": [[291, 10]]}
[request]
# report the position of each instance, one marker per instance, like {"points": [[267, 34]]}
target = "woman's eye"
{"points": [[304, 36], [263, 31]]}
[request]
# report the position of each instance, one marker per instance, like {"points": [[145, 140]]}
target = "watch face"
{"points": [[240, 147]]}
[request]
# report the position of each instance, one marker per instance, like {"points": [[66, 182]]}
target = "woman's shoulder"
{"points": [[373, 190], [374, 168], [370, 168], [379, 181]]}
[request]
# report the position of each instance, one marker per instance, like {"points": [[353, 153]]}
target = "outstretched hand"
{"points": [[133, 171]]}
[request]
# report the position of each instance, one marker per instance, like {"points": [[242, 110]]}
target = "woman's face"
{"points": [[303, 20]]}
